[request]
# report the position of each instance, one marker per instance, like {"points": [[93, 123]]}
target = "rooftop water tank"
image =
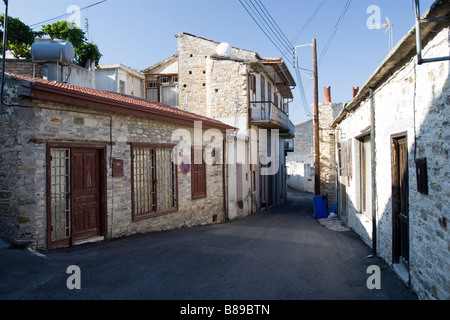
{"points": [[53, 50], [225, 50]]}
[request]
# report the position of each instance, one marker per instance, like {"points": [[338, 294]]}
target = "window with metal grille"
{"points": [[60, 193], [154, 181]]}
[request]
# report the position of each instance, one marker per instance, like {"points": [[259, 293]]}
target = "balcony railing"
{"points": [[267, 115]]}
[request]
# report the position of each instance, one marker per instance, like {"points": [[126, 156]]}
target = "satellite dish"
{"points": [[225, 50]]}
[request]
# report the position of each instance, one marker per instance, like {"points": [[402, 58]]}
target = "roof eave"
{"points": [[403, 51], [42, 91]]}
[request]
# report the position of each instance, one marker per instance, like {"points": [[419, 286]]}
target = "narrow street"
{"points": [[282, 254]]}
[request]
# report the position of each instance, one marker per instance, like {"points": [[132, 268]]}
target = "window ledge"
{"points": [[145, 216]]}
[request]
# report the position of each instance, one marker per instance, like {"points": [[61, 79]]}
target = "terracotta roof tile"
{"points": [[118, 99]]}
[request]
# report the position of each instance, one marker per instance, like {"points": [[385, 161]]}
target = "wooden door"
{"points": [[86, 193], [400, 190]]}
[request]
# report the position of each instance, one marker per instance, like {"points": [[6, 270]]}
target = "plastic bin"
{"points": [[320, 208]]}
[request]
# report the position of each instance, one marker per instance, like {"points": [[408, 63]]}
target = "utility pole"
{"points": [[316, 123]]}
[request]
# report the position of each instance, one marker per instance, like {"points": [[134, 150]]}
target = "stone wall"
{"points": [[300, 163], [303, 143], [24, 134], [415, 100], [327, 148], [216, 87], [23, 67]]}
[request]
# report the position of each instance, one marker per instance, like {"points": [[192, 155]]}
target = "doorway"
{"points": [[400, 193], [75, 194]]}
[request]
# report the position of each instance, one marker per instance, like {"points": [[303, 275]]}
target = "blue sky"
{"points": [[139, 33]]}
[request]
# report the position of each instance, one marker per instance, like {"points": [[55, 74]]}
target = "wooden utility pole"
{"points": [[316, 123]]}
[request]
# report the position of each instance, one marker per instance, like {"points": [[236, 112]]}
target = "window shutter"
{"points": [[198, 175]]}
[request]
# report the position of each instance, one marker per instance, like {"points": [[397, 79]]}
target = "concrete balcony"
{"points": [[267, 115]]}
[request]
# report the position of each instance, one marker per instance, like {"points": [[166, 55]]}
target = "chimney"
{"points": [[355, 91], [327, 94]]}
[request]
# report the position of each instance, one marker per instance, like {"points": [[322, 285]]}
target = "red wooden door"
{"points": [[86, 193]]}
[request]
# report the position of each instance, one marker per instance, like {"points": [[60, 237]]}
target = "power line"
{"points": [[64, 15], [310, 19], [336, 27], [333, 34], [302, 92], [267, 30], [276, 26]]}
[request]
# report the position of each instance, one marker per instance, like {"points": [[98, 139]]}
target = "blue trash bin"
{"points": [[320, 208]]}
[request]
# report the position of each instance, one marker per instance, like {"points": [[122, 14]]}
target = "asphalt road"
{"points": [[282, 254]]}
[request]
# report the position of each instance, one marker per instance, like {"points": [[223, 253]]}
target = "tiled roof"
{"points": [[113, 99]]}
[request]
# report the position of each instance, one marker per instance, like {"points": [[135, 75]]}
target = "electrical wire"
{"points": [[275, 25], [64, 15], [335, 29], [308, 22], [268, 31], [302, 92], [332, 35]]}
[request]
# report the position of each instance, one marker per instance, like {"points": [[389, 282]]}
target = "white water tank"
{"points": [[225, 50], [53, 50]]}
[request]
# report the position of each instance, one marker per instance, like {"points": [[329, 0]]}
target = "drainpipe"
{"points": [[374, 183], [224, 183]]}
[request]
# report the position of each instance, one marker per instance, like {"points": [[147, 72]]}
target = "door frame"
{"points": [[102, 149], [395, 175]]}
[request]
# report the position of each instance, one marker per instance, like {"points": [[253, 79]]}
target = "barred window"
{"points": [[154, 181], [60, 191]]}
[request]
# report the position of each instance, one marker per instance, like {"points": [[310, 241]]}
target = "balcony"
{"points": [[267, 115]]}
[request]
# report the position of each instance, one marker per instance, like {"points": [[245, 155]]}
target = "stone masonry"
{"points": [[414, 101], [25, 130]]}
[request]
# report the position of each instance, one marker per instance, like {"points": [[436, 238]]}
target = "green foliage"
{"points": [[20, 37], [60, 30], [88, 52], [84, 51]]}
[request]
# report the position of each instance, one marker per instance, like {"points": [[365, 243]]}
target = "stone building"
{"points": [[79, 164], [394, 169], [241, 89], [328, 111], [301, 162]]}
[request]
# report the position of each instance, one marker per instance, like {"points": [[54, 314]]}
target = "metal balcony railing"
{"points": [[266, 114]]}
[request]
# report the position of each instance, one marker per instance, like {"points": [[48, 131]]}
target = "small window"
{"points": [[164, 80], [175, 79], [151, 85]]}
